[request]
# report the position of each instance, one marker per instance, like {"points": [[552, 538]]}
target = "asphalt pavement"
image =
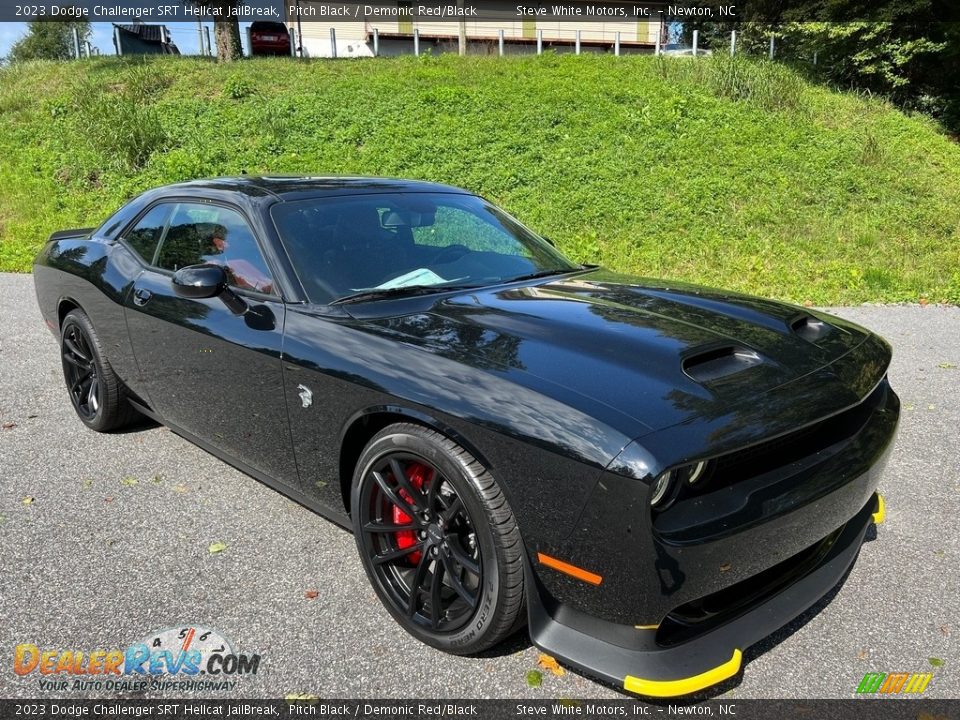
{"points": [[107, 538]]}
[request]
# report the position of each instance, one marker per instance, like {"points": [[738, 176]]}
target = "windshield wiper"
{"points": [[542, 274], [406, 291]]}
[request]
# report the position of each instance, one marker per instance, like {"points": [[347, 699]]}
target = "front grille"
{"points": [[702, 615], [796, 445]]}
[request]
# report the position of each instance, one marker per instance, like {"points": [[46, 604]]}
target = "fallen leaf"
{"points": [[128, 481], [808, 303], [862, 655], [305, 697], [945, 629], [908, 406], [924, 302], [108, 499], [156, 479], [550, 663], [181, 489], [88, 483], [31, 417], [311, 594], [217, 547], [931, 407], [9, 425], [947, 366], [725, 567], [3, 519], [534, 678], [28, 500], [935, 661]]}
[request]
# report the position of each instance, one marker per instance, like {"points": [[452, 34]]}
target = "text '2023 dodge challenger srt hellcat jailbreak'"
{"points": [[653, 476]]}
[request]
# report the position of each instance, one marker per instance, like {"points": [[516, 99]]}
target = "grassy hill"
{"points": [[735, 174]]}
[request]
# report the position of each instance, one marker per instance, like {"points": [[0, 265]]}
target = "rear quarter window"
{"points": [[144, 237]]}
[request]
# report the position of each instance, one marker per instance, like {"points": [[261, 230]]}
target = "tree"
{"points": [[227, 33], [226, 28], [49, 40], [901, 49]]}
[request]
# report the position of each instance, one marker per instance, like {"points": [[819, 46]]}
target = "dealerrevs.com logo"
{"points": [[181, 659]]}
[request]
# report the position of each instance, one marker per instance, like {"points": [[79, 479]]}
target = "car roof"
{"points": [[296, 187]]}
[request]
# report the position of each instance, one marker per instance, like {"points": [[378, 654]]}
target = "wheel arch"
{"points": [[64, 306], [364, 424]]}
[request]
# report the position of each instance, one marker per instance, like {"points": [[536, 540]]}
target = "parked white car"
{"points": [[678, 51]]}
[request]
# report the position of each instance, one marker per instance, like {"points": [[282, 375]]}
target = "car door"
{"points": [[207, 370]]}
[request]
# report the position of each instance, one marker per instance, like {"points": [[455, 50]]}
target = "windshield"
{"points": [[342, 246]]}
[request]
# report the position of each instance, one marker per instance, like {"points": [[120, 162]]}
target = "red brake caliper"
{"points": [[418, 475]]}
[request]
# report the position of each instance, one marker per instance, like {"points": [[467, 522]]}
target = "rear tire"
{"points": [[97, 394], [441, 547]]}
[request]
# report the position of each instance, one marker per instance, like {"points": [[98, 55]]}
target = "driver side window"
{"points": [[209, 234]]}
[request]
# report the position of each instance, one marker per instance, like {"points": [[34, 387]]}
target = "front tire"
{"points": [[438, 540], [98, 396]]}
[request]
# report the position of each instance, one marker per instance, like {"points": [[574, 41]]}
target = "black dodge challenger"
{"points": [[652, 475]]}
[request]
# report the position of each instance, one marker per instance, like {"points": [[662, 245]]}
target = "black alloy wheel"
{"points": [[97, 394], [80, 371], [435, 536]]}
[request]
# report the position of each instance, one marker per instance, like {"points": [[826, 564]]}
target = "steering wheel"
{"points": [[449, 254]]}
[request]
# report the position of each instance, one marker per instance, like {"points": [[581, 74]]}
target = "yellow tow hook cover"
{"points": [[684, 686], [880, 514]]}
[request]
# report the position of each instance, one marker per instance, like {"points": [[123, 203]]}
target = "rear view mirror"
{"points": [[406, 218]]}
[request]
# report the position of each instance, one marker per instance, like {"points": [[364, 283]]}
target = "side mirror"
{"points": [[197, 282]]}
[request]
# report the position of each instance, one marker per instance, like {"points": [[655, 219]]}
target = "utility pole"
{"points": [[462, 37], [299, 32]]}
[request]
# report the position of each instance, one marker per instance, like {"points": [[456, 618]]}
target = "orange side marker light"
{"points": [[568, 569]]}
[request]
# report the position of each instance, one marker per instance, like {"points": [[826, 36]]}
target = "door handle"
{"points": [[141, 296]]}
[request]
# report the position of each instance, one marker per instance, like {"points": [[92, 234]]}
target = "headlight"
{"points": [[660, 488], [696, 472], [664, 484]]}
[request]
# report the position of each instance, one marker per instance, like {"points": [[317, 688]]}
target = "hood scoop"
{"points": [[809, 328], [717, 363]]}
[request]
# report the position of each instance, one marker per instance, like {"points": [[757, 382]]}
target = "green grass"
{"points": [[734, 174]]}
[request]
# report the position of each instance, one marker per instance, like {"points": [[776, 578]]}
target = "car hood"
{"points": [[654, 352]]}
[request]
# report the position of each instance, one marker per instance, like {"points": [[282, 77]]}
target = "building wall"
{"points": [[353, 37]]}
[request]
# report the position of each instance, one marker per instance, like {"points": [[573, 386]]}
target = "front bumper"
{"points": [[636, 659]]}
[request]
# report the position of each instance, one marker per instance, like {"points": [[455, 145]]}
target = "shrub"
{"points": [[237, 88]]}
